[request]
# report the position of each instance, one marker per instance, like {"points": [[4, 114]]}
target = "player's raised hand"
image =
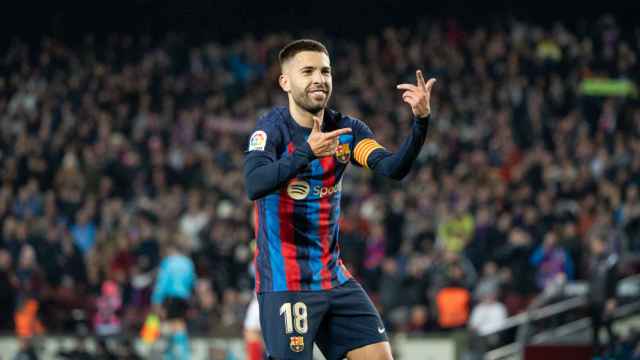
{"points": [[324, 144], [418, 96]]}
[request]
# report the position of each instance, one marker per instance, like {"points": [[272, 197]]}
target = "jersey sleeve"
{"points": [[263, 171], [264, 140], [369, 153]]}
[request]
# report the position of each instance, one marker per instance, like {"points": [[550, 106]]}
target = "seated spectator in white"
{"points": [[489, 314]]}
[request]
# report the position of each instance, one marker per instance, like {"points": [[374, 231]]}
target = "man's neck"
{"points": [[303, 117]]}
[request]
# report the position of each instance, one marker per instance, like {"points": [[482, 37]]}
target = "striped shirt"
{"points": [[297, 198]]}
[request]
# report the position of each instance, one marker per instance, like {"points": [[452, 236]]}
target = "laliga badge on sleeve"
{"points": [[258, 141]]}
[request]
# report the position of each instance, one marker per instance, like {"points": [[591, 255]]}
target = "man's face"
{"points": [[307, 77]]}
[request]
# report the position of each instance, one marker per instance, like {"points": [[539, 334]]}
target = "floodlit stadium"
{"points": [[325, 181]]}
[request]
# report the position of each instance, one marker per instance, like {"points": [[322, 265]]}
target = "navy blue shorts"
{"points": [[337, 320]]}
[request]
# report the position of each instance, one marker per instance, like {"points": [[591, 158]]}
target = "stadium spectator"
{"points": [[453, 302], [513, 258], [107, 321], [489, 314], [551, 261]]}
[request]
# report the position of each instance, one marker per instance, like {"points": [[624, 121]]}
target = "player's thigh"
{"points": [[290, 321], [353, 323]]}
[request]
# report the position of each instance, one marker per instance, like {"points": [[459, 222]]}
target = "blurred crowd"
{"points": [[111, 147]]}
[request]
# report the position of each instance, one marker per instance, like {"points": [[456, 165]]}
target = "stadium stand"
{"points": [[109, 147]]}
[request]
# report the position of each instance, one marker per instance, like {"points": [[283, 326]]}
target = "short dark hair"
{"points": [[291, 49]]}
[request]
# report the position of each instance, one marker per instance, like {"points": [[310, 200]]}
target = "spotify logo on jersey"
{"points": [[298, 189]]}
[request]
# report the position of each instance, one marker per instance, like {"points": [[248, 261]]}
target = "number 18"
{"points": [[296, 318]]}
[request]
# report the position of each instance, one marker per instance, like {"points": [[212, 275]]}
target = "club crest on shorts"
{"points": [[258, 141], [343, 153], [296, 343]]}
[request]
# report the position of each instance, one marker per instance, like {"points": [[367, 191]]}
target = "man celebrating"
{"points": [[293, 169]]}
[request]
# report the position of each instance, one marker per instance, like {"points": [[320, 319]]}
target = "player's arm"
{"points": [[368, 153], [263, 173]]}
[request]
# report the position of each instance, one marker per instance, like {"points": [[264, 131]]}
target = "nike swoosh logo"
{"points": [[380, 330]]}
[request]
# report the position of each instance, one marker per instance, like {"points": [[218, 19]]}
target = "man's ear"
{"points": [[283, 80]]}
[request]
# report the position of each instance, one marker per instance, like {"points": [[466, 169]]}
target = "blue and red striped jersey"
{"points": [[297, 224], [297, 196]]}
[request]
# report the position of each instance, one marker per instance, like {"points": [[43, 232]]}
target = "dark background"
{"points": [[224, 21]]}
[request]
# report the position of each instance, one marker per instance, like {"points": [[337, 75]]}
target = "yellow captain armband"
{"points": [[363, 149]]}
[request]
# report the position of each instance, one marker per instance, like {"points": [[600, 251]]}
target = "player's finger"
{"points": [[316, 124], [420, 79], [430, 85], [329, 150], [410, 87], [409, 98], [409, 95], [336, 133]]}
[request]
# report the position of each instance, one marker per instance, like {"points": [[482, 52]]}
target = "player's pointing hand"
{"points": [[418, 96], [324, 144]]}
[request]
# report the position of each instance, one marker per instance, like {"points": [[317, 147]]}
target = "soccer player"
{"points": [[170, 296], [293, 168]]}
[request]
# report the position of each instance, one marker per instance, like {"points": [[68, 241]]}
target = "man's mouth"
{"points": [[317, 91]]}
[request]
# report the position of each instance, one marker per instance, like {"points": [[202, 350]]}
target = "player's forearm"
{"points": [[262, 175], [397, 165]]}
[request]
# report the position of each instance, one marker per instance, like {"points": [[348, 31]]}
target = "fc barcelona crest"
{"points": [[343, 153], [296, 344]]}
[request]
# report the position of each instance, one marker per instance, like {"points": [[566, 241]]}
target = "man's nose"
{"points": [[317, 78]]}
